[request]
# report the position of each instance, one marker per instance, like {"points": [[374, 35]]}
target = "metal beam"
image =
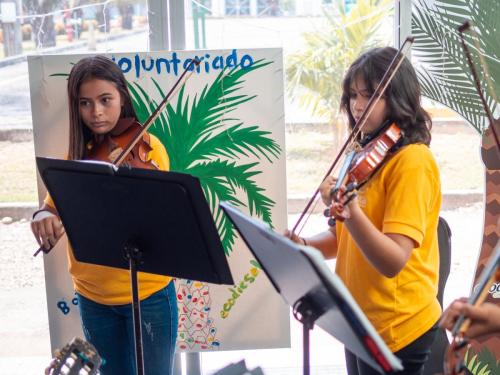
{"points": [[402, 21], [166, 25]]}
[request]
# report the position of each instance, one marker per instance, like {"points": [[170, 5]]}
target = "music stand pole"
{"points": [[305, 311], [134, 255]]}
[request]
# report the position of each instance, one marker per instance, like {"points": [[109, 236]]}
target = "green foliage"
{"points": [[482, 363], [314, 75], [443, 71], [202, 140]]}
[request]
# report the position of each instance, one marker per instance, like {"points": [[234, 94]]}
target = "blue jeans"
{"points": [[111, 330]]}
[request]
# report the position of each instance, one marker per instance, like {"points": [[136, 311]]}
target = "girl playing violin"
{"points": [[99, 101], [385, 240]]}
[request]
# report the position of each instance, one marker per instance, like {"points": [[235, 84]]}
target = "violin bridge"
{"points": [[354, 147]]}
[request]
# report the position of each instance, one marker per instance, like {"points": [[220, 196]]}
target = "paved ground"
{"points": [[24, 338]]}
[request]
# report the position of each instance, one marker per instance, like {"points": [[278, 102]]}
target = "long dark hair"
{"points": [[95, 67], [403, 95]]}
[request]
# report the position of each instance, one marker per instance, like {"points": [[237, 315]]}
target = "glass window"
{"points": [[271, 8], [73, 26], [237, 7]]}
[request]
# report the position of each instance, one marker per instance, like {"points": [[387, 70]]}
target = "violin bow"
{"points": [[374, 99], [186, 74], [461, 29], [477, 298]]}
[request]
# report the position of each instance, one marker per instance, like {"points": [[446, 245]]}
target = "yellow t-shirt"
{"points": [[111, 286], [403, 197]]}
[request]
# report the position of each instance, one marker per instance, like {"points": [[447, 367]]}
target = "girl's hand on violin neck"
{"points": [[345, 205], [325, 189], [47, 229]]}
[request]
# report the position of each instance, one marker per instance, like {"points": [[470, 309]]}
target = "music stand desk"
{"points": [[136, 219], [318, 296]]}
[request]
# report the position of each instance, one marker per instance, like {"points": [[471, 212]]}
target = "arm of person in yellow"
{"points": [[46, 225], [326, 242]]}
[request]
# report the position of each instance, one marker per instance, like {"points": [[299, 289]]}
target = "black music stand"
{"points": [[300, 275], [136, 219]]}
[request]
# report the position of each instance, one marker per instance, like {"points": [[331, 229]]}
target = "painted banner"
{"points": [[226, 127], [489, 346]]}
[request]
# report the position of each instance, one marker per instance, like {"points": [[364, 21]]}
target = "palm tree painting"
{"points": [[224, 126], [202, 141], [204, 137], [446, 78]]}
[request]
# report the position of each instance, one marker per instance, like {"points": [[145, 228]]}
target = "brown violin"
{"points": [[360, 166], [115, 142]]}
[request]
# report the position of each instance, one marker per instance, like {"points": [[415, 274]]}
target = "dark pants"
{"points": [[413, 357], [110, 330]]}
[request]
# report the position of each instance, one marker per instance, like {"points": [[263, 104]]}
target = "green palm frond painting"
{"points": [[482, 363], [442, 68], [204, 138]]}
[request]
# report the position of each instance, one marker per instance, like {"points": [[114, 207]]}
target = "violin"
{"points": [[455, 353], [377, 95], [360, 166], [113, 144]]}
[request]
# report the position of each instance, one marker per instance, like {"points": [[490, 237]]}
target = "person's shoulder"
{"points": [[159, 153], [415, 154], [418, 151], [156, 144], [153, 139]]}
